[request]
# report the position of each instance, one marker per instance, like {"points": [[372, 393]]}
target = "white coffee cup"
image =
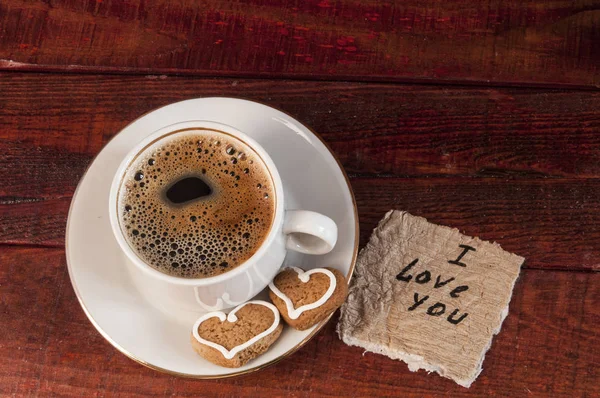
{"points": [[300, 230]]}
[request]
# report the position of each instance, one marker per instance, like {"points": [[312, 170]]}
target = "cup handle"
{"points": [[309, 232]]}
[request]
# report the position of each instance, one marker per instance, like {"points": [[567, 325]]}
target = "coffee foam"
{"points": [[210, 235]]}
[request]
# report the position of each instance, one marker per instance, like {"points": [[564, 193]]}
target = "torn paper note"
{"points": [[429, 296]]}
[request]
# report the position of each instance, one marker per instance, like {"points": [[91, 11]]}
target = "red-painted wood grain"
{"points": [[375, 129], [548, 346], [499, 41]]}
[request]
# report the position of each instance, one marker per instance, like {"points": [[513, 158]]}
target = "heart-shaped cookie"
{"points": [[234, 339], [305, 298]]}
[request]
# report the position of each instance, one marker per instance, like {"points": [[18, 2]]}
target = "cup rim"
{"points": [[180, 128]]}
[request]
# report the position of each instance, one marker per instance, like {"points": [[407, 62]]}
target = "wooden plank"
{"points": [[554, 224], [34, 221], [534, 152], [548, 346], [499, 41], [49, 123]]}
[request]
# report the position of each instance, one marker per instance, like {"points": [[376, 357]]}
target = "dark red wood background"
{"points": [[483, 116], [506, 41]]}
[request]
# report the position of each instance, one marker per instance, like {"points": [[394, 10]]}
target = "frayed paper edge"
{"points": [[416, 362]]}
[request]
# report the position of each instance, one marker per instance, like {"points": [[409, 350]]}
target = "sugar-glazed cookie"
{"points": [[234, 339], [305, 298]]}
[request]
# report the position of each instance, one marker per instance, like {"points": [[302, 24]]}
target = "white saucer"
{"points": [[99, 270]]}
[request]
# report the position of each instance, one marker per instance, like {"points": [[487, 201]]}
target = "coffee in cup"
{"points": [[196, 203]]}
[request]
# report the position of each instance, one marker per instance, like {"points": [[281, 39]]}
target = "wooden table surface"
{"points": [[484, 116]]}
